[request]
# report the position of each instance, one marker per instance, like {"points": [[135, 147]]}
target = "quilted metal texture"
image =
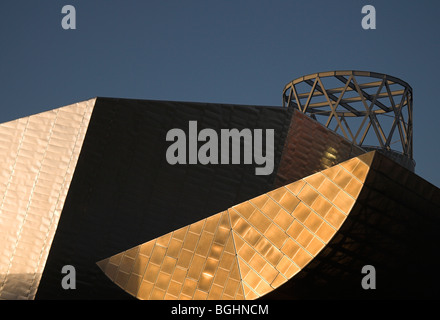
{"points": [[310, 148], [38, 155], [248, 250], [392, 226], [124, 192]]}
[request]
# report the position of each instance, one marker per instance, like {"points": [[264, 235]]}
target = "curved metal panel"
{"points": [[248, 250]]}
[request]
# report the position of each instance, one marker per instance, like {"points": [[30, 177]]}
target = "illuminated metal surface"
{"points": [[37, 160], [370, 109], [303, 155], [248, 250]]}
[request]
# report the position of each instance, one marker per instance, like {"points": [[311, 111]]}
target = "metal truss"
{"points": [[370, 109]]}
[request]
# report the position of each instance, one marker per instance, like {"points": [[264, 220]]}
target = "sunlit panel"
{"points": [[248, 250]]}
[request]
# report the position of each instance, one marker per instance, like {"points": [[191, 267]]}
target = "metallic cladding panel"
{"points": [[393, 226], [310, 148], [248, 250], [37, 159], [124, 192]]}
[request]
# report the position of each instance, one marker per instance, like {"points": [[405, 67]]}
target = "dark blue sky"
{"points": [[215, 51]]}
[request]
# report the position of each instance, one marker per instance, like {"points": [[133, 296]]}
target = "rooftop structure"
{"points": [[90, 185]]}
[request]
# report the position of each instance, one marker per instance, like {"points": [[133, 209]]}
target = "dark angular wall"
{"points": [[124, 192]]}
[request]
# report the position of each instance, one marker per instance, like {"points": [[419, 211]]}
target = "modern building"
{"points": [[183, 200]]}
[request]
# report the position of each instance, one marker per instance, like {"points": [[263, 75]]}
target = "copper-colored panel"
{"points": [[335, 217], [296, 187], [308, 195], [290, 247], [196, 267], [344, 202], [301, 212], [313, 222], [249, 249]]}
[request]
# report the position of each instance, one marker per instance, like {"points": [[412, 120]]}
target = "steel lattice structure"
{"points": [[372, 110]]}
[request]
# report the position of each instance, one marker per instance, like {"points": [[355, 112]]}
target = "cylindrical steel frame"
{"points": [[353, 102]]}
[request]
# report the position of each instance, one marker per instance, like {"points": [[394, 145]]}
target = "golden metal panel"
{"points": [[133, 284], [313, 222], [321, 206], [197, 227], [163, 241], [263, 288], [247, 250], [270, 208], [252, 236], [361, 171], [127, 264], [205, 243], [200, 295], [325, 232], [335, 217], [308, 195], [342, 178], [158, 255], [189, 287], [231, 287], [157, 294], [275, 235], [263, 245], [295, 229], [279, 280], [212, 222], [205, 282], [329, 190], [184, 258], [283, 219], [315, 246], [344, 202], [245, 209], [163, 280], [259, 221], [179, 274], [260, 200], [222, 235], [221, 276], [190, 242], [283, 264], [257, 262], [122, 278], [301, 212], [353, 188], [168, 265], [174, 288], [301, 258], [304, 237], [216, 291], [315, 180], [151, 273], [180, 233], [174, 247], [290, 248], [226, 261], [292, 270], [268, 272]]}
